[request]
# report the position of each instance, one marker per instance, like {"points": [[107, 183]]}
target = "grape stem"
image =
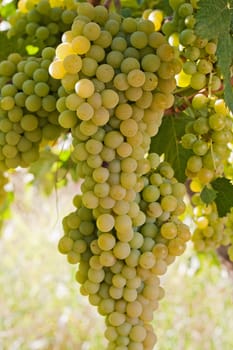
{"points": [[187, 99]]}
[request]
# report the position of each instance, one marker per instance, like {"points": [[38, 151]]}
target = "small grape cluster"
{"points": [[117, 78], [208, 136], [211, 231], [28, 113], [199, 55], [40, 24]]}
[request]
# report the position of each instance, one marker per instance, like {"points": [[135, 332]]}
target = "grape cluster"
{"points": [[199, 55], [40, 24], [210, 230], [208, 137], [122, 254], [28, 113], [117, 78]]}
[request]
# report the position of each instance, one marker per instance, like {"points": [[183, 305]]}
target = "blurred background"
{"points": [[40, 304]]}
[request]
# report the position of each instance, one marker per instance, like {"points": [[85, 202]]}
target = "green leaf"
{"points": [[224, 197], [7, 9], [9, 45], [208, 195], [213, 18], [225, 56], [167, 142]]}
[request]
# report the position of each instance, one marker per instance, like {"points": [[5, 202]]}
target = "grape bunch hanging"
{"points": [[125, 230], [117, 86]]}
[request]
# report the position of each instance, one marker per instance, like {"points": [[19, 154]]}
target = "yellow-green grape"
{"points": [[72, 64], [105, 73], [80, 44], [84, 88]]}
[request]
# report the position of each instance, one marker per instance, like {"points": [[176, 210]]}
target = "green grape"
{"points": [[41, 74], [139, 39], [217, 121], [190, 68], [110, 98], [7, 103], [185, 10], [42, 33], [151, 63], [128, 64], [204, 66], [187, 37], [129, 127], [96, 52], [85, 111], [194, 164], [80, 45], [200, 147], [136, 78], [198, 81], [166, 52], [84, 88], [7, 68], [91, 31], [105, 73], [41, 89], [112, 26], [8, 90], [72, 64], [29, 122], [199, 101], [104, 40], [119, 44], [49, 103], [89, 66], [201, 126], [18, 79], [67, 119]]}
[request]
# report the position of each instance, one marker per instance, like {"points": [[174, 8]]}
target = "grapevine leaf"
{"points": [[7, 9], [224, 197], [225, 56], [9, 45], [213, 18], [208, 195], [167, 142]]}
